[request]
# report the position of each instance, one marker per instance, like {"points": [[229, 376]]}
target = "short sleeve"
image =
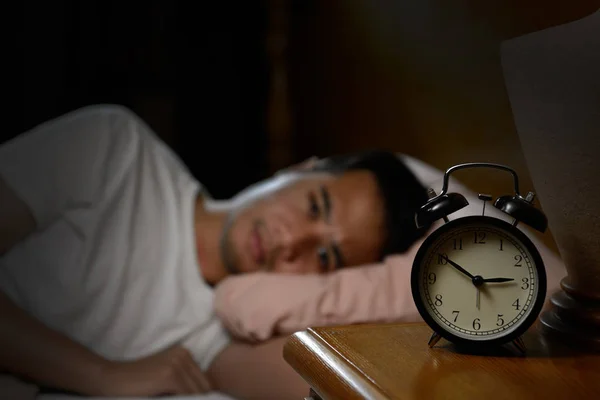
{"points": [[68, 162], [207, 343]]}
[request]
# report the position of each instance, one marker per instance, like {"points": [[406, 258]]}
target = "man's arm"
{"points": [[30, 349], [248, 371], [27, 347], [16, 220]]}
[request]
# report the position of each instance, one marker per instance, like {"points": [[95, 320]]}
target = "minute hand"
{"points": [[498, 280], [458, 267]]}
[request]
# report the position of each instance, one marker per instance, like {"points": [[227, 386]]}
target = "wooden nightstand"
{"points": [[393, 361]]}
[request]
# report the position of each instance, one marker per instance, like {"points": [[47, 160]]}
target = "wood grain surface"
{"points": [[393, 361]]}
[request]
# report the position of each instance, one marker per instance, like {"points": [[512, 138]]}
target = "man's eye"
{"points": [[323, 259], [313, 210]]}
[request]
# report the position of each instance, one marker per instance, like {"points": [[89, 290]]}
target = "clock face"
{"points": [[478, 280]]}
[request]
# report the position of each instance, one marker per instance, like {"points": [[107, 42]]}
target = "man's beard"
{"points": [[230, 257], [228, 254]]}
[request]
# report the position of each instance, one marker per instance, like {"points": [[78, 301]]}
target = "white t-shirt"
{"points": [[113, 262]]}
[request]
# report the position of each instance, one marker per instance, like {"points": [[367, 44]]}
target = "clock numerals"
{"points": [[457, 244], [431, 278], [442, 259], [479, 237], [471, 260], [500, 320], [519, 260], [516, 305], [455, 315]]}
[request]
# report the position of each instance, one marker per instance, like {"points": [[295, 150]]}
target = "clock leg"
{"points": [[434, 339], [520, 345]]}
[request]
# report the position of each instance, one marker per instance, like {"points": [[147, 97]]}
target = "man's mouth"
{"points": [[256, 246]]}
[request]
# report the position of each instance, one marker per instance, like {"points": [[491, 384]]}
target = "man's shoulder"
{"points": [[113, 124], [115, 136], [83, 132]]}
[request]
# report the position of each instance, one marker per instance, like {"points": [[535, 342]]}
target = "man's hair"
{"points": [[401, 191]]}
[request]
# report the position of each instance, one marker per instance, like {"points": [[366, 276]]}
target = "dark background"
{"points": [[242, 88], [195, 71]]}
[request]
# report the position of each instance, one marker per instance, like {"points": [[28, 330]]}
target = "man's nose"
{"points": [[300, 238]]}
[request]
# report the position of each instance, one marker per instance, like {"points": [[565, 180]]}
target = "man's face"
{"points": [[306, 223]]}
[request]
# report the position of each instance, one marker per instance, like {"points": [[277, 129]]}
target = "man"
{"points": [[109, 249]]}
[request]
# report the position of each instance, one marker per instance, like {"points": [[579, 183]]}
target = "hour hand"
{"points": [[458, 267], [497, 280]]}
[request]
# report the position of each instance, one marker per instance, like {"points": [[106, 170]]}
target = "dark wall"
{"points": [[196, 72], [418, 77]]}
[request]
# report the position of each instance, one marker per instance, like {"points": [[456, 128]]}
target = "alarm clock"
{"points": [[479, 280]]}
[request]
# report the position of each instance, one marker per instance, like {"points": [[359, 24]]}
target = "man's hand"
{"points": [[171, 372], [257, 371]]}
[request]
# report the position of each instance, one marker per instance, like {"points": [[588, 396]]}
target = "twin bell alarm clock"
{"points": [[479, 280]]}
